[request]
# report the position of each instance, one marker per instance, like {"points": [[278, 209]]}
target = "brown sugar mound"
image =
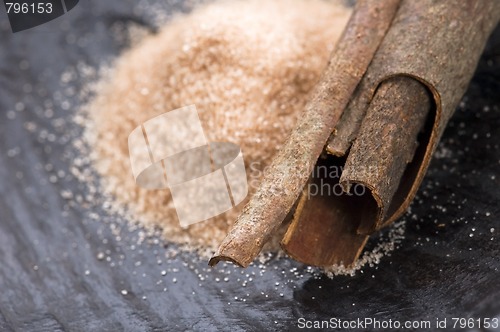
{"points": [[247, 66]]}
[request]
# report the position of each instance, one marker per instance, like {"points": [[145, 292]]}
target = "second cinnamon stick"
{"points": [[292, 166]]}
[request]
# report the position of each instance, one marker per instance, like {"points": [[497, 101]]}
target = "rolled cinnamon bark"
{"points": [[336, 226], [438, 44], [291, 167]]}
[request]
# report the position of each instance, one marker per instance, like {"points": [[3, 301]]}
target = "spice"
{"points": [[423, 42], [247, 66], [291, 167], [339, 225]]}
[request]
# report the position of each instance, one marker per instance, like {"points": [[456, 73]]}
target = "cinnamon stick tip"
{"points": [[217, 258]]}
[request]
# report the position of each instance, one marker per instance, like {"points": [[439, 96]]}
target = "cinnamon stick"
{"points": [[291, 167], [338, 225], [437, 43]]}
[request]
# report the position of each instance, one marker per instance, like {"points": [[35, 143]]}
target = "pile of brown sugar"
{"points": [[246, 66]]}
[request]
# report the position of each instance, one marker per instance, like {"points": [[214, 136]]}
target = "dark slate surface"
{"points": [[61, 270]]}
